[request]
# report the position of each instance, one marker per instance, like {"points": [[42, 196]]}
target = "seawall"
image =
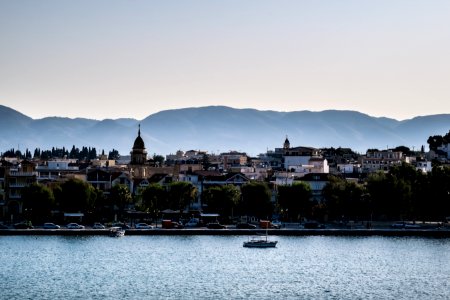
{"points": [[437, 233]]}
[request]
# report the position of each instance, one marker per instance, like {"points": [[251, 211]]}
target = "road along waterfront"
{"points": [[443, 233], [218, 267]]}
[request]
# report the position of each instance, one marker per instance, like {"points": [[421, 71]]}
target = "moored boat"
{"points": [[116, 232], [260, 242]]}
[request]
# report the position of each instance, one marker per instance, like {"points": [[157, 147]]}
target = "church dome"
{"points": [[138, 154], [139, 142], [286, 144]]}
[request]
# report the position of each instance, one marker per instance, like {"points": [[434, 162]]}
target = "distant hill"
{"points": [[218, 129]]}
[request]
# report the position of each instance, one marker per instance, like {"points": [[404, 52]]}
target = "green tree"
{"points": [[154, 199], [439, 194], [181, 195], [113, 154], [222, 199], [378, 189], [120, 197], [344, 198], [413, 186], [294, 200], [158, 159], [205, 162], [101, 205], [256, 200], [404, 150], [76, 195], [399, 193], [435, 141], [38, 201]]}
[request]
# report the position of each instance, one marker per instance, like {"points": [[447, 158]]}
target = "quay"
{"points": [[434, 233]]}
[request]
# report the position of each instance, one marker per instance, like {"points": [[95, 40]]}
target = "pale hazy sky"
{"points": [[111, 59]]}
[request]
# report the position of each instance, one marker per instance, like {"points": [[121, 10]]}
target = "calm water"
{"points": [[218, 267]]}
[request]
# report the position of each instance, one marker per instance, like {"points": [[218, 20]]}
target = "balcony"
{"points": [[17, 185], [22, 174]]}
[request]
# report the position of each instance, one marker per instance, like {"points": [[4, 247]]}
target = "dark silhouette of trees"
{"points": [[256, 200], [405, 150], [406, 193], [344, 199], [119, 198], [205, 162], [76, 195], [11, 153], [113, 154], [74, 153], [38, 201], [154, 199], [438, 202], [158, 159], [436, 141], [181, 195], [295, 201], [86, 153], [223, 199]]}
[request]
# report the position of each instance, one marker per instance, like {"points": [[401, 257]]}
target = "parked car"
{"points": [[98, 226], [313, 225], [194, 222], [121, 225], [51, 226], [412, 226], [276, 224], [3, 226], [74, 226], [143, 226], [268, 224], [398, 225], [245, 226], [169, 224], [23, 226], [215, 226], [404, 225]]}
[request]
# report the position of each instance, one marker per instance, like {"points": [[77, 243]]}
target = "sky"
{"points": [[128, 59]]}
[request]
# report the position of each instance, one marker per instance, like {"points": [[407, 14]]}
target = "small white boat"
{"points": [[116, 232], [254, 243], [260, 242]]}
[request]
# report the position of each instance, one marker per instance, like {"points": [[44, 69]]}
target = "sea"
{"points": [[219, 267]]}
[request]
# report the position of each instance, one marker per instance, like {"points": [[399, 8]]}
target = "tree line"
{"points": [[402, 193], [85, 153]]}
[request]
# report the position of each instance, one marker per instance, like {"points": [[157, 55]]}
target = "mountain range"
{"points": [[219, 129]]}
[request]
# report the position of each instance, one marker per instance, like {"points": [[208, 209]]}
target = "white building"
{"points": [[305, 160], [53, 169], [424, 166], [348, 168], [445, 148], [381, 160]]}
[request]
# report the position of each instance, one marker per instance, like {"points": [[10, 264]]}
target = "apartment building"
{"points": [[376, 160]]}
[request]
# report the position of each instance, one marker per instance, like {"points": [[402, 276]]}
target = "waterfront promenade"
{"points": [[422, 232]]}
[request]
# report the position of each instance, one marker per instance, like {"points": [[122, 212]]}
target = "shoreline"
{"points": [[436, 233]]}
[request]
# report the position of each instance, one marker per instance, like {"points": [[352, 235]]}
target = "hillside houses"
{"points": [[280, 166], [376, 160]]}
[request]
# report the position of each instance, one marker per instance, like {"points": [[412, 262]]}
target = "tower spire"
{"points": [[139, 131], [286, 144]]}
